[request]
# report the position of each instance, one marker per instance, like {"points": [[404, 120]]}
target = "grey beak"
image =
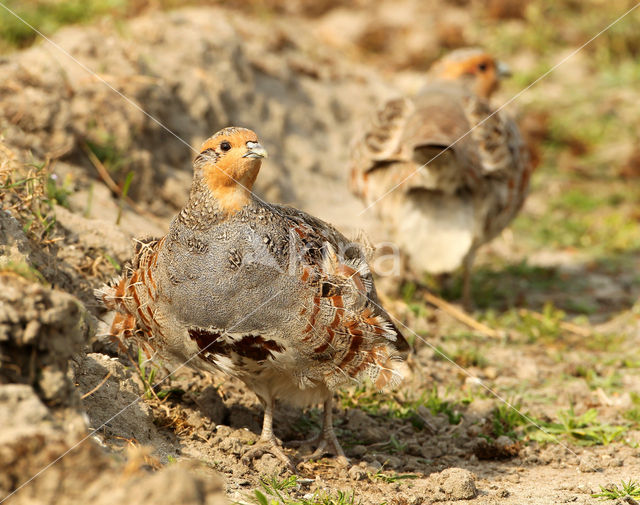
{"points": [[255, 150], [503, 70]]}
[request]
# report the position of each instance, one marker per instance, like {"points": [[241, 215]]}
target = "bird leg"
{"points": [[268, 442], [467, 264], [326, 441]]}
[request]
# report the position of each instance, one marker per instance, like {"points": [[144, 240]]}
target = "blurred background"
{"points": [[576, 244]]}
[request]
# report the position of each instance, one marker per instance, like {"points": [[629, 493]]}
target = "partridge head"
{"points": [[229, 163], [476, 69]]}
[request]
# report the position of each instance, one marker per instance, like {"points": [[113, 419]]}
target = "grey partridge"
{"points": [[444, 169], [265, 293]]}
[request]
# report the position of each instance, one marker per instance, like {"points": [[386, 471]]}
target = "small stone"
{"points": [[474, 430], [231, 445], [374, 434], [502, 493], [589, 464], [374, 466], [514, 477], [491, 372], [268, 465], [223, 430], [357, 420], [369, 458], [431, 452], [195, 420], [357, 473], [357, 451], [616, 462], [457, 484], [583, 488], [504, 441], [393, 462]]}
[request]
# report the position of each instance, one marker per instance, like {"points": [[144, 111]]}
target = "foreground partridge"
{"points": [[266, 293], [446, 170]]}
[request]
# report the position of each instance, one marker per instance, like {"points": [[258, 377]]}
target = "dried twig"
{"points": [[111, 184], [100, 384], [461, 315]]}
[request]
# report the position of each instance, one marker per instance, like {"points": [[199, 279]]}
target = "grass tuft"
{"points": [[276, 491], [376, 403], [613, 492], [583, 430], [506, 421]]}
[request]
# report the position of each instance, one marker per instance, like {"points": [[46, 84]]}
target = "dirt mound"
{"points": [[43, 428], [191, 72], [40, 329]]}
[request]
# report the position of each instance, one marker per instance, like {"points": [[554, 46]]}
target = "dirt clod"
{"points": [[457, 483]]}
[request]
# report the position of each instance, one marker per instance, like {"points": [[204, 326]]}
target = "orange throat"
{"points": [[231, 198], [232, 192]]}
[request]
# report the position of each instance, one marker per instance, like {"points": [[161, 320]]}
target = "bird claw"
{"points": [[268, 447], [326, 444]]}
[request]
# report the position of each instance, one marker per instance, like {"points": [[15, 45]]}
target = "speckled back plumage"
{"points": [[443, 202]]}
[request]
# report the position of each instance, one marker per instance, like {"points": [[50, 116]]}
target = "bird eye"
{"points": [[482, 67], [225, 146]]}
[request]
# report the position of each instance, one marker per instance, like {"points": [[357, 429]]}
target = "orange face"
{"points": [[230, 161], [481, 70]]}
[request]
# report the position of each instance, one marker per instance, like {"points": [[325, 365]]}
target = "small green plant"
{"points": [[123, 196], [633, 414], [147, 371], [381, 404], [113, 261], [463, 356], [506, 420], [438, 405], [584, 429], [394, 445], [58, 192], [147, 374], [23, 269], [391, 478], [108, 152], [337, 498], [29, 190], [48, 17], [275, 488], [613, 492], [276, 491]]}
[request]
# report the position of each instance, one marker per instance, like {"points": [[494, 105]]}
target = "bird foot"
{"points": [[326, 444], [268, 446]]}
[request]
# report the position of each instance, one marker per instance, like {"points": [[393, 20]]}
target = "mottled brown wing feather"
{"points": [[422, 143], [379, 143], [354, 256]]}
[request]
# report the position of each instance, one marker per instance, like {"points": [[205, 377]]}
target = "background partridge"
{"points": [[444, 169], [265, 293]]}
